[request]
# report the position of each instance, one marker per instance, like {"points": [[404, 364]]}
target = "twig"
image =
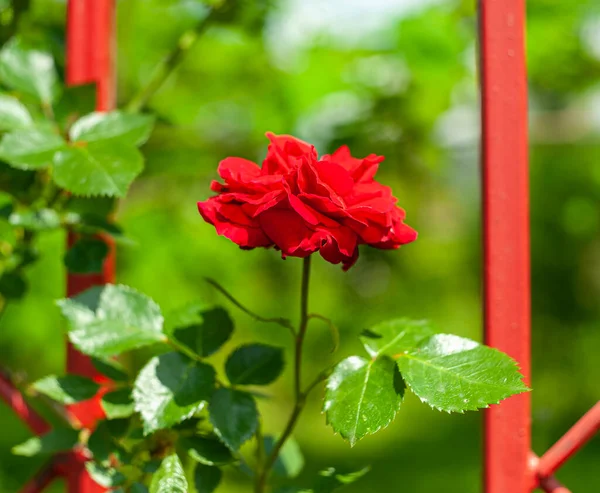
{"points": [[335, 333], [169, 64], [284, 322]]}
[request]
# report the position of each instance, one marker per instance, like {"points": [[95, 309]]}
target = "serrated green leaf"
{"points": [[330, 480], [234, 416], [56, 440], [29, 70], [138, 488], [36, 220], [207, 336], [111, 368], [362, 396], [108, 477], [394, 337], [170, 477], [117, 404], [30, 148], [454, 374], [290, 460], [13, 114], [171, 388], [132, 128], [98, 168], [86, 256], [105, 322], [185, 316], [101, 443], [207, 478], [207, 450], [68, 389], [254, 364]]}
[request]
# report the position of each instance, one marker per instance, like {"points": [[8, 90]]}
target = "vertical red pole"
{"points": [[506, 234], [90, 59]]}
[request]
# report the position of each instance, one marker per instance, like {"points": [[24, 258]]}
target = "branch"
{"points": [[164, 69], [42, 479], [284, 322]]}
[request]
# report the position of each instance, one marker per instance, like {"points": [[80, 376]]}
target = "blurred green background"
{"points": [[397, 78]]}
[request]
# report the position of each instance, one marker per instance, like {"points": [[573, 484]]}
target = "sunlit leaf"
{"points": [[393, 337], [170, 477], [36, 220], [13, 114], [455, 374], [362, 396], [131, 128], [107, 321], [29, 70], [171, 388], [30, 148], [98, 168], [331, 480]]}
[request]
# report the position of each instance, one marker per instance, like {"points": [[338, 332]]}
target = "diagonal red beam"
{"points": [[570, 442], [11, 395], [505, 197], [42, 479]]}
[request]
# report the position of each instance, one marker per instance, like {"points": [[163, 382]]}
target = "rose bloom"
{"points": [[301, 204]]}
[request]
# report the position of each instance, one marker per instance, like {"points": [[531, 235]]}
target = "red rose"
{"points": [[301, 204]]}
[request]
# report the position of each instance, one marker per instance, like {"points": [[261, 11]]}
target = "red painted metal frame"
{"points": [[510, 466], [506, 234], [90, 59]]}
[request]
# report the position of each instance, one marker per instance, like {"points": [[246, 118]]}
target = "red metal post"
{"points": [[90, 59], [506, 233]]}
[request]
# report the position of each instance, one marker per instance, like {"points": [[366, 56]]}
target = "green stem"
{"points": [[284, 322], [169, 64], [299, 395]]}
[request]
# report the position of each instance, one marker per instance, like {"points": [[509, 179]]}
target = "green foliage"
{"points": [[68, 389], [362, 396], [455, 374], [98, 168], [202, 330], [206, 478], [56, 440], [105, 476], [31, 148], [116, 126], [207, 450], [171, 388], [117, 404], [394, 337], [290, 460], [29, 70], [13, 114], [234, 416], [170, 477], [86, 256], [108, 321], [254, 364]]}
